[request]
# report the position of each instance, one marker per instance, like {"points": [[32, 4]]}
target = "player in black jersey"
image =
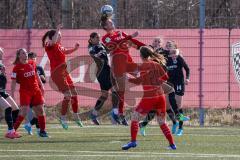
{"points": [[7, 103], [172, 106], [175, 66], [99, 54], [32, 118]]}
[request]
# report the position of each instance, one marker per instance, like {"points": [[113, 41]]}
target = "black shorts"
{"points": [[179, 89], [105, 79], [4, 95]]}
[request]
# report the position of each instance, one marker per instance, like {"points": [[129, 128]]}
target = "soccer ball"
{"points": [[107, 9]]}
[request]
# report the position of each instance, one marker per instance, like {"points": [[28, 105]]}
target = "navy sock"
{"points": [[8, 118], [15, 115]]}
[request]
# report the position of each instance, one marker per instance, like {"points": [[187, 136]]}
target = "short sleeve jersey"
{"points": [[26, 76]]}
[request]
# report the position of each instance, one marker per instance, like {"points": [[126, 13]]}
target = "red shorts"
{"points": [[121, 64], [62, 79], [33, 98], [148, 104]]}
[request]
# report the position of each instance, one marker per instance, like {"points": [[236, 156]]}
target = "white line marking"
{"points": [[122, 153]]}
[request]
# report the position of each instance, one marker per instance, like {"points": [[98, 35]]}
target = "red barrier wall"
{"points": [[215, 60]]}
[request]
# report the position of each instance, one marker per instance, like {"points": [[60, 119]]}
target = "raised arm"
{"points": [[55, 37]]}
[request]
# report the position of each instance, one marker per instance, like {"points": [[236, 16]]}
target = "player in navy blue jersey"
{"points": [[7, 103], [175, 66], [99, 54]]}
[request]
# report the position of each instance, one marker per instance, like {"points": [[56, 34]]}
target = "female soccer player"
{"points": [[104, 76], [117, 43], [32, 118], [31, 89], [151, 77], [51, 41], [175, 65], [172, 107], [7, 103]]}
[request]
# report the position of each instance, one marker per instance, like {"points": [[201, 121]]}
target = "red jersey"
{"points": [[26, 76], [56, 55], [117, 42], [151, 77]]}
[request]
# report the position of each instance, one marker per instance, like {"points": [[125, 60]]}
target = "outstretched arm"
{"points": [[71, 50], [134, 41]]}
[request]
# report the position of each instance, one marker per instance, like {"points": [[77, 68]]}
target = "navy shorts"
{"points": [[105, 79], [179, 89]]}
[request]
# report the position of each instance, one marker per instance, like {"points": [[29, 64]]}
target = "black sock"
{"points": [[15, 115], [173, 103], [8, 118], [180, 110], [115, 99], [180, 124], [34, 121], [171, 116], [100, 103], [148, 118]]}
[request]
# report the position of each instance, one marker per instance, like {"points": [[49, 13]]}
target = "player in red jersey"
{"points": [[152, 75], [31, 89], [51, 41], [118, 44]]}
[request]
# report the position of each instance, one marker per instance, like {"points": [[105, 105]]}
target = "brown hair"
{"points": [[32, 55], [92, 35], [103, 21], [148, 52], [49, 34], [16, 61]]}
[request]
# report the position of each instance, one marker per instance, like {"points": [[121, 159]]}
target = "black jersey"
{"points": [[41, 72], [175, 70], [3, 82], [99, 54]]}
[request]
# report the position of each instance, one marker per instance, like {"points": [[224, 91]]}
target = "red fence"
{"points": [[220, 87]]}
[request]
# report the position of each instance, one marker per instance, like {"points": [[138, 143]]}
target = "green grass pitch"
{"points": [[104, 143]]}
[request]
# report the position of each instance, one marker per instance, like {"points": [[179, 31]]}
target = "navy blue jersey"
{"points": [[99, 53], [41, 72], [3, 82], [175, 70]]}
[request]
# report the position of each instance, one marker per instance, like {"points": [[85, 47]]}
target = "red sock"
{"points": [[74, 102], [166, 131], [42, 122], [65, 106], [18, 122], [134, 130], [121, 103]]}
